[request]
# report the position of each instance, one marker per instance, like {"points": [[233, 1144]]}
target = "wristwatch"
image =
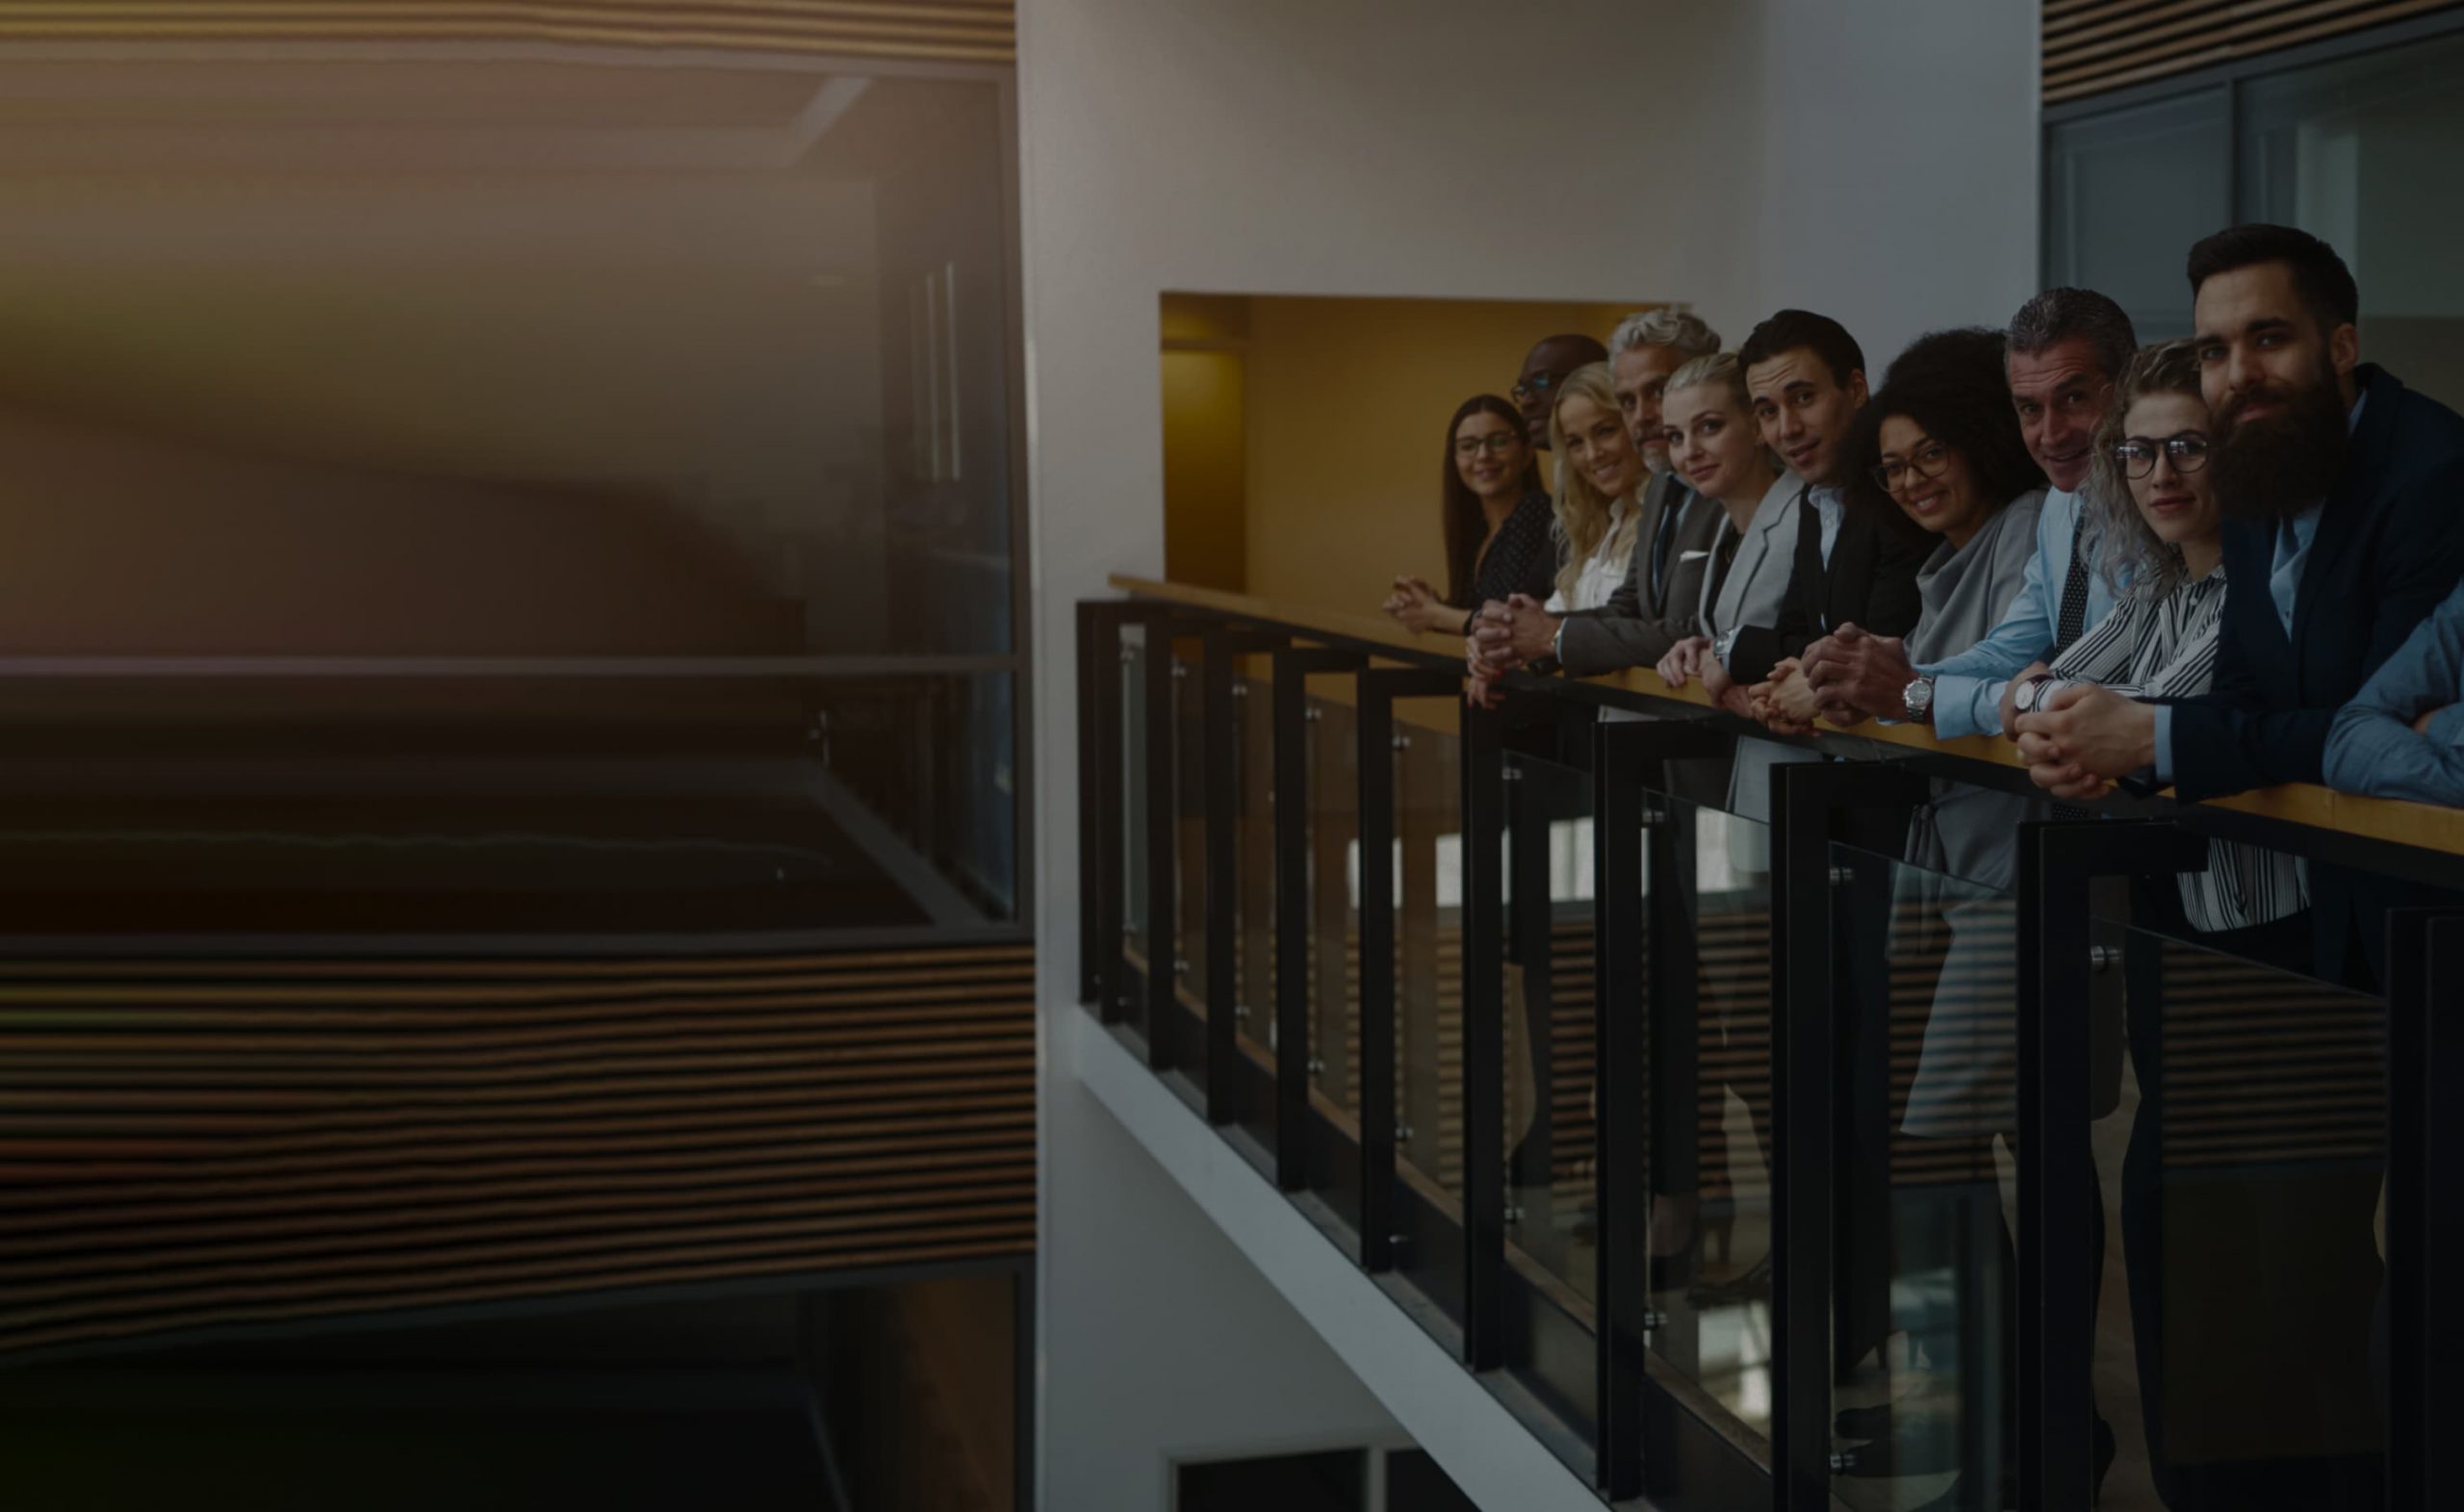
{"points": [[1917, 698], [1723, 644], [2031, 692]]}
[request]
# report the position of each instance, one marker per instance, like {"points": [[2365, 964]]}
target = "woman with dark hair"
{"points": [[1941, 444], [1497, 520]]}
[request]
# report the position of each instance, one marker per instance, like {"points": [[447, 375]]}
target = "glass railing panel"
{"points": [[1709, 1269], [1552, 1205], [1428, 999], [2243, 1165], [1191, 740], [1132, 799], [1253, 903], [1924, 1305], [1334, 945]]}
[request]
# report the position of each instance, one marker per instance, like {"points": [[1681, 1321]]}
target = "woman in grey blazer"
{"points": [[1714, 445]]}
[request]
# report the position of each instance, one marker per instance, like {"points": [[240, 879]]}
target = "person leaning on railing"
{"points": [[1653, 608], [1496, 517], [2065, 349], [2402, 735], [1600, 476], [2341, 532]]}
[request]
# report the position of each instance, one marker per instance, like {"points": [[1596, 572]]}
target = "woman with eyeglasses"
{"points": [[1942, 444], [1496, 517]]}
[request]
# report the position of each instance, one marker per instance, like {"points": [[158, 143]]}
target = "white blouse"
{"points": [[1603, 573]]}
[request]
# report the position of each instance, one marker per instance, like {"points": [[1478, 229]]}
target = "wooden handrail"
{"points": [[2422, 825]]}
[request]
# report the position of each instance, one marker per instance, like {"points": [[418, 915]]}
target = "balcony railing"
{"points": [[1501, 997]]}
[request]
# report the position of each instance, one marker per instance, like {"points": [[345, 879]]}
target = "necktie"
{"points": [[1673, 501], [2072, 622]]}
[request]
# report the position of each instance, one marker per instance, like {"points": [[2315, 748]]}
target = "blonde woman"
{"points": [[1600, 473]]}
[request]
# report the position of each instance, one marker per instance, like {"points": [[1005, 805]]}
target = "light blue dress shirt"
{"points": [[2284, 586], [2372, 748], [1830, 507], [1967, 689]]}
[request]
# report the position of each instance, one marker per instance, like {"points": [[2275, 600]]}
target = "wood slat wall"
{"points": [[2094, 45], [945, 31], [185, 1146]]}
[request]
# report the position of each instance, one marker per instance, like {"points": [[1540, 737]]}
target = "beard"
{"points": [[2270, 469]]}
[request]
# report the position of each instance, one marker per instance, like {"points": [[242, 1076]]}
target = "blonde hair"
{"points": [[1719, 366], [1721, 370], [2134, 559], [1582, 510]]}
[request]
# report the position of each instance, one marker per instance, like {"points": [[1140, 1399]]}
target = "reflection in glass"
{"points": [[1709, 1269], [2233, 1343], [2127, 191], [1252, 940], [1132, 795], [1428, 998], [2367, 154]]}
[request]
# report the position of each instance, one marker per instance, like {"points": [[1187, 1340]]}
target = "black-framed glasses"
{"points": [[1497, 443], [1930, 460], [1535, 385], [2135, 456]]}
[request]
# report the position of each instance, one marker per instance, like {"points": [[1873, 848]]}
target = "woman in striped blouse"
{"points": [[2160, 542]]}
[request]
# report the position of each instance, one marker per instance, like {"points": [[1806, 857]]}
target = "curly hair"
{"points": [[1954, 385], [2132, 557]]}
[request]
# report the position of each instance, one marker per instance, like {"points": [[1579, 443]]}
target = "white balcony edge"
{"points": [[1496, 1461]]}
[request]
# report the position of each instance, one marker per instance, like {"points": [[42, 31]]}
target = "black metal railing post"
{"points": [[1223, 649], [1292, 669], [1484, 810], [1374, 724], [1807, 799], [2059, 1266], [2425, 1215]]}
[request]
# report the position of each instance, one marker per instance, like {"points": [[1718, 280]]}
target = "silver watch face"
{"points": [[1918, 697]]}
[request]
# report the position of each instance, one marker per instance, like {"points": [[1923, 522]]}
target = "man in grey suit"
{"points": [[1653, 607]]}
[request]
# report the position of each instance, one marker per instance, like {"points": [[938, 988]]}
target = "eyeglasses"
{"points": [[1497, 443], [1931, 460], [2136, 456], [1535, 385]]}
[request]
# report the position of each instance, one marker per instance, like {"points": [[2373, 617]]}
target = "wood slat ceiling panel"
{"points": [[2091, 46], [192, 1145], [945, 31]]}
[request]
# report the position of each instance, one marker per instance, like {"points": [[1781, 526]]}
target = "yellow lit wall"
{"points": [[1206, 440], [1346, 407]]}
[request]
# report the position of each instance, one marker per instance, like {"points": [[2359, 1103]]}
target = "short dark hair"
{"points": [[1954, 385], [1794, 330], [2319, 275], [2066, 314]]}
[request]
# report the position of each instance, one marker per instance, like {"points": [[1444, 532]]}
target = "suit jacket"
{"points": [[1871, 583], [2389, 546], [1650, 610], [1757, 580]]}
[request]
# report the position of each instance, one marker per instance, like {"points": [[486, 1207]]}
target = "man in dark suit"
{"points": [[1807, 375], [1653, 607], [2344, 493]]}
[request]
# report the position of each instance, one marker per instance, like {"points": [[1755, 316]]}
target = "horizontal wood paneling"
{"points": [[947, 31], [2094, 45], [187, 1144]]}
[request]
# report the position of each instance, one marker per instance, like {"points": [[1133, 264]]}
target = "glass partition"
{"points": [[1252, 943], [1428, 999], [2245, 1168], [1188, 1043], [1924, 1306], [1132, 799], [1334, 944], [1552, 1215], [1708, 1266]]}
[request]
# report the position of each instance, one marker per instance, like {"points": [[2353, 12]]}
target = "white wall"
{"points": [[1873, 160]]}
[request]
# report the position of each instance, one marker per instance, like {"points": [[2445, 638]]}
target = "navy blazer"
{"points": [[2389, 546]]}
